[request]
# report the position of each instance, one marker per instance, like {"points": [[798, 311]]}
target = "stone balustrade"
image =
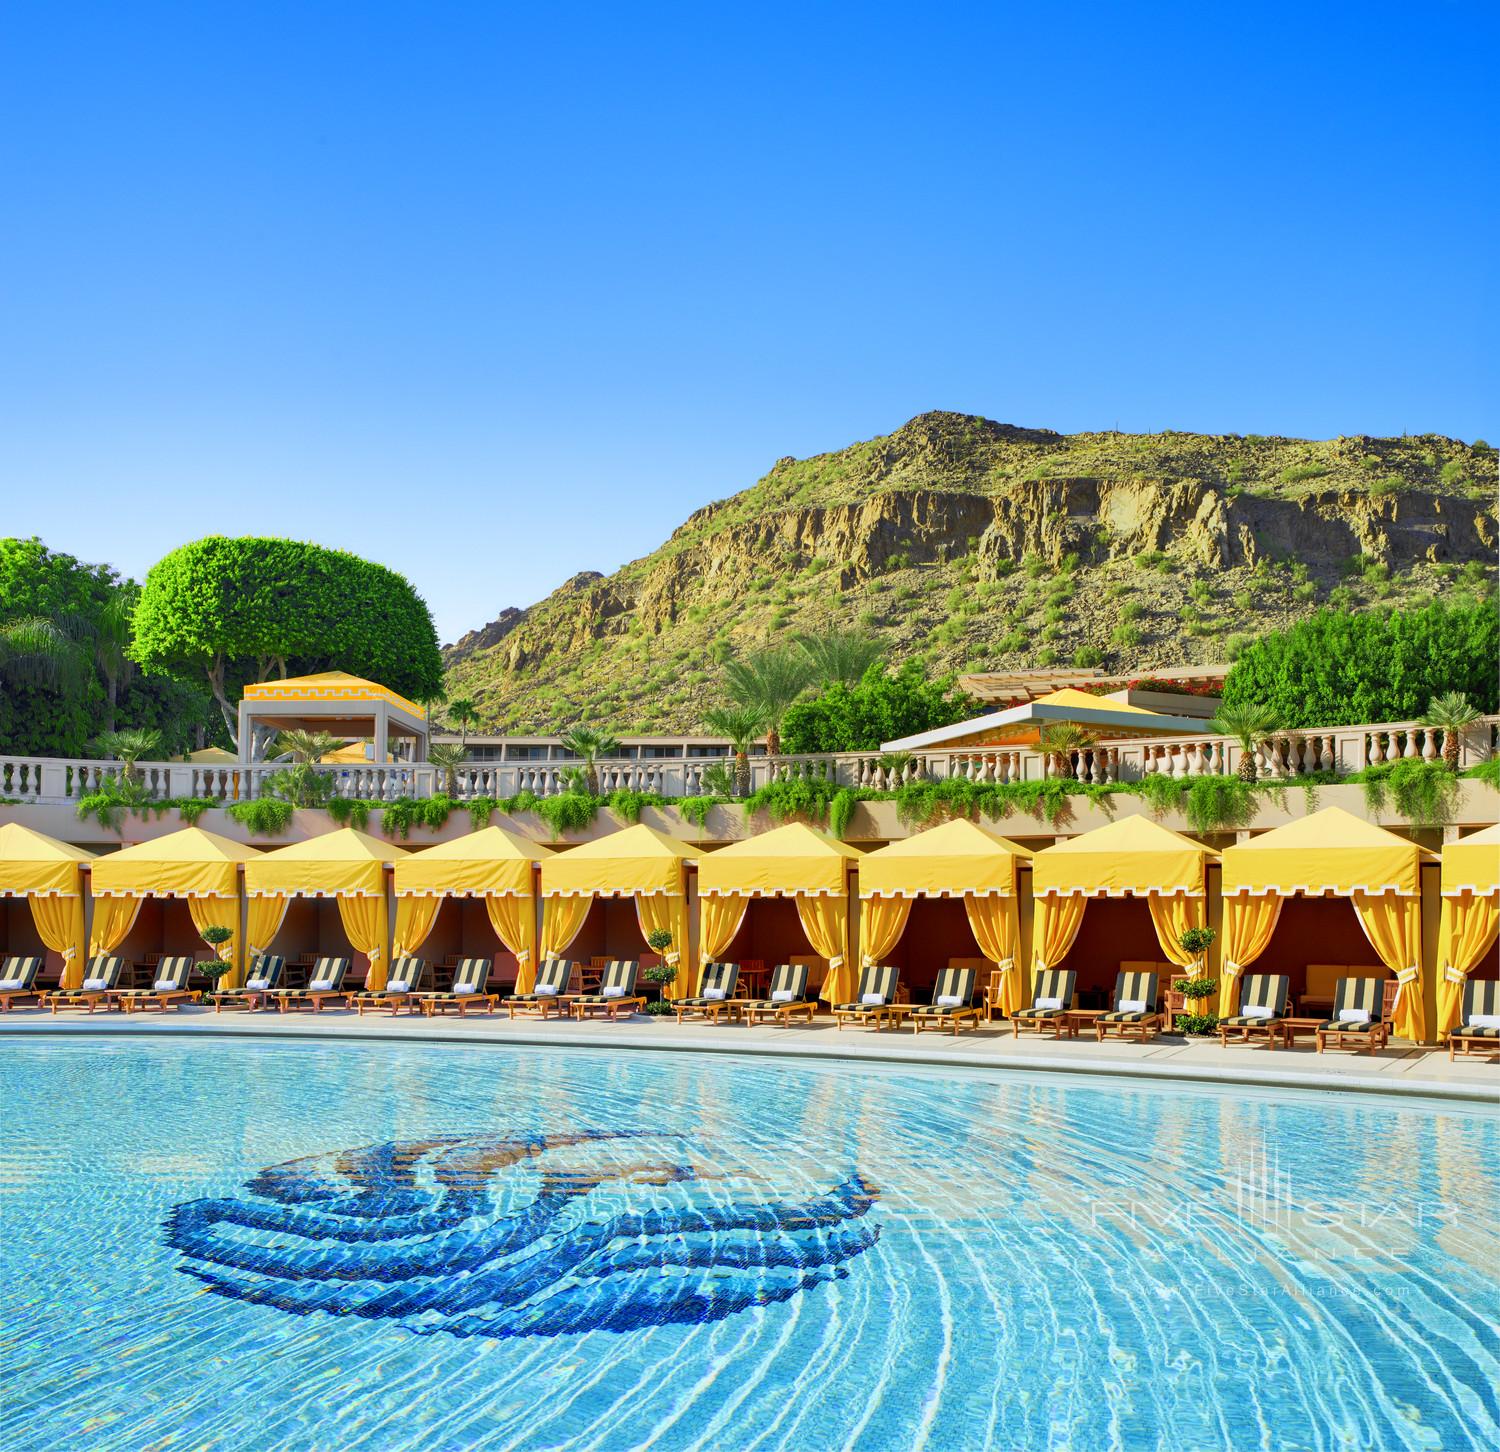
{"points": [[1289, 755]]}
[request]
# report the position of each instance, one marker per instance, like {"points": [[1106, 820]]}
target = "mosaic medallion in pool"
{"points": [[241, 1246]]}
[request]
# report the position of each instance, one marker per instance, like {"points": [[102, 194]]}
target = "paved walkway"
{"points": [[1400, 1069]]}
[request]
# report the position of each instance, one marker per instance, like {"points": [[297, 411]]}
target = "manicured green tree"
{"points": [[1251, 724], [743, 726], [229, 611], [1338, 668], [588, 745], [884, 705], [1452, 714], [769, 681]]}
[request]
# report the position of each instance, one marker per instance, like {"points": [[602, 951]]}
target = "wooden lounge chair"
{"points": [[169, 986], [470, 989], [716, 985], [100, 979], [18, 981], [324, 985], [1263, 999], [1357, 1021], [1132, 1009], [1478, 1030], [261, 983], [549, 994], [616, 991], [952, 1003], [1050, 1002], [787, 997], [873, 999], [400, 990]]}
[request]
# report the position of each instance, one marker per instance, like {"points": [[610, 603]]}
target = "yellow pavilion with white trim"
{"points": [[1331, 853], [810, 869], [641, 865], [348, 866], [1133, 859], [958, 860], [493, 866], [197, 867], [1470, 918], [48, 875]]}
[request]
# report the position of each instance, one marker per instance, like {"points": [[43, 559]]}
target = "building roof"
{"points": [[1131, 855], [32, 862], [1029, 685], [1472, 864], [955, 859], [338, 687], [1332, 851], [638, 860], [794, 859], [187, 863]]}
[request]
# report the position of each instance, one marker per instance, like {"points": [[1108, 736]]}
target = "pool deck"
{"points": [[1400, 1069]]}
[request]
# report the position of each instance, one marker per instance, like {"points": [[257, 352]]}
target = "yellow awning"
{"points": [[211, 756], [1133, 855], [489, 863], [790, 860], [337, 686], [189, 863], [35, 865], [346, 863], [1472, 864], [1083, 701], [956, 859], [1330, 851], [625, 864]]}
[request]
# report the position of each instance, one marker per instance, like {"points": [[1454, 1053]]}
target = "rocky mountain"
{"points": [[983, 546]]}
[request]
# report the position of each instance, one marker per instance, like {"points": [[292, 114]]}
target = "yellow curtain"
{"points": [[59, 923], [1172, 914], [1249, 921], [882, 920], [263, 923], [719, 919], [514, 921], [658, 912], [222, 912], [114, 917], [1058, 920], [825, 920], [1393, 924], [997, 929], [414, 919], [365, 920], [1466, 932], [562, 917]]}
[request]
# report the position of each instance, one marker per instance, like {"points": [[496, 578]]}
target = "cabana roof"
{"points": [[638, 861], [33, 864], [957, 859], [790, 860], [1472, 864], [490, 862], [1022, 725], [188, 863], [346, 863], [1131, 856], [335, 687], [1332, 851]]}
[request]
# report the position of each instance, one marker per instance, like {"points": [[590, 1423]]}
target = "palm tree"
{"points": [[840, 656], [1251, 725], [36, 651], [742, 725], [104, 635], [464, 713], [769, 682], [448, 756], [1453, 715], [307, 748], [1060, 740], [130, 746], [588, 745]]}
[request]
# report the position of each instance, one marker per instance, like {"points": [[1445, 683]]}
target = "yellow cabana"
{"points": [[1133, 857], [47, 874], [1329, 854], [200, 867], [957, 860], [811, 868], [492, 864], [639, 863], [1470, 917], [348, 866]]}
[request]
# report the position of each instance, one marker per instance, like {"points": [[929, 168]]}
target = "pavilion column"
{"points": [[382, 732]]}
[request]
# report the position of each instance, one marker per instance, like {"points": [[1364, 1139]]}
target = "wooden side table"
{"points": [[1300, 1024], [1079, 1018]]}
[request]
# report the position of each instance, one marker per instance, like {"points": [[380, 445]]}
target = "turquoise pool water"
{"points": [[241, 1246]]}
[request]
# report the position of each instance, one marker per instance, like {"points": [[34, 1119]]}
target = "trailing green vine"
{"points": [[349, 812], [114, 801], [1424, 792], [263, 817]]}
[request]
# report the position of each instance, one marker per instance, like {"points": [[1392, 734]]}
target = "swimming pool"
{"points": [[240, 1246]]}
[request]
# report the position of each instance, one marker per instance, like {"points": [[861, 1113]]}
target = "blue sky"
{"points": [[495, 294]]}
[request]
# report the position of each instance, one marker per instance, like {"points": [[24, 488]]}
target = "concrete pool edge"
{"points": [[886, 1053]]}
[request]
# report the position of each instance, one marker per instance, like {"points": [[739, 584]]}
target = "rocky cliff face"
{"points": [[986, 546]]}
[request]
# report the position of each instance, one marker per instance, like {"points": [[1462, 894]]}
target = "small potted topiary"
{"points": [[663, 974], [1196, 1022], [222, 962]]}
